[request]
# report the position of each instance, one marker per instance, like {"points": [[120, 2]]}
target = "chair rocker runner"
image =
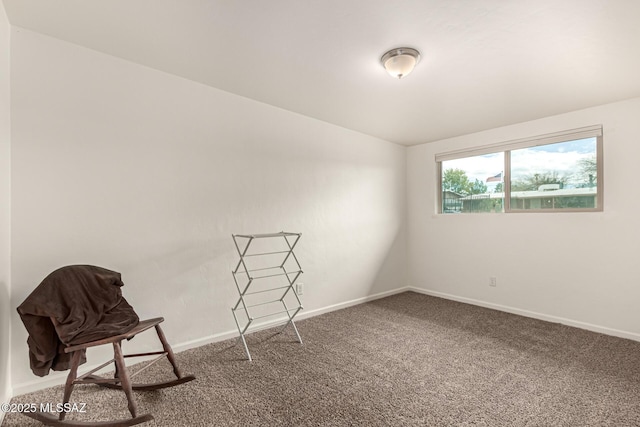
{"points": [[122, 379]]}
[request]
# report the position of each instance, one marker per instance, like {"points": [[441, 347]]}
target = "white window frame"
{"points": [[507, 147]]}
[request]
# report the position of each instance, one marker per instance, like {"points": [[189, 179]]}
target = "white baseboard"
{"points": [[304, 314], [6, 392], [532, 314], [53, 379], [5, 397], [58, 378]]}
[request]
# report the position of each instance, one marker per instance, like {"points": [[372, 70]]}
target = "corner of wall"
{"points": [[7, 393], [5, 216]]}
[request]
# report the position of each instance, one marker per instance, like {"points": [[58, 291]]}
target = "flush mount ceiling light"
{"points": [[400, 61]]}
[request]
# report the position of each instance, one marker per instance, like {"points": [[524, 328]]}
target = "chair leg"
{"points": [[71, 378], [167, 348], [123, 376]]}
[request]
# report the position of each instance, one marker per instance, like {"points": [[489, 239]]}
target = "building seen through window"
{"points": [[558, 176]]}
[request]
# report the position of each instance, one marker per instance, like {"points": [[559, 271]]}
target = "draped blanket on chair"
{"points": [[73, 305]]}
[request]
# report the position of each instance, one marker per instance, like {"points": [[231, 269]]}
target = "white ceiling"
{"points": [[485, 63]]}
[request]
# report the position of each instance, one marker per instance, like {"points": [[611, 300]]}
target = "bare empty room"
{"points": [[442, 188]]}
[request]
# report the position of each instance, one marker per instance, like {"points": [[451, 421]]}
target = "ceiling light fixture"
{"points": [[400, 61]]}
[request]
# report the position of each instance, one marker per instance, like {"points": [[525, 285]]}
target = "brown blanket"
{"points": [[86, 303]]}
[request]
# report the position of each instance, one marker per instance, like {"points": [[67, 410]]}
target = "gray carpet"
{"points": [[405, 360]]}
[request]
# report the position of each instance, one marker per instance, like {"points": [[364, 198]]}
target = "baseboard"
{"points": [[526, 313], [58, 378], [52, 380], [304, 314], [6, 392], [5, 397]]}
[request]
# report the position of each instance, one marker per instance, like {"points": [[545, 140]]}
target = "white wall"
{"points": [[122, 166], [5, 212], [575, 268]]}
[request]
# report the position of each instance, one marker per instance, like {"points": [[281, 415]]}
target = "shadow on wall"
{"points": [[178, 261], [392, 272]]}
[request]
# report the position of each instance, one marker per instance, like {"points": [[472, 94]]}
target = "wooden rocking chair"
{"points": [[121, 380], [89, 301]]}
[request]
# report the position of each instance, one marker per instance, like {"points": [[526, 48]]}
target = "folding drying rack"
{"points": [[275, 262]]}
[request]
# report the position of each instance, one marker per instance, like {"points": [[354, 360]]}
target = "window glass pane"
{"points": [[473, 184], [555, 176]]}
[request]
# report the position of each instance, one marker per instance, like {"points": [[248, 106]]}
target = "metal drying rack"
{"points": [[282, 278]]}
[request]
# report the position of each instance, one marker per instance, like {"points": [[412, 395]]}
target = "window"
{"points": [[559, 172]]}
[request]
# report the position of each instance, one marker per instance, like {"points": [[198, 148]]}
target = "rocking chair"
{"points": [[90, 283]]}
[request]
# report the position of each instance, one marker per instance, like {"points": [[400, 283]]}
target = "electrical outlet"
{"points": [[299, 288], [493, 281]]}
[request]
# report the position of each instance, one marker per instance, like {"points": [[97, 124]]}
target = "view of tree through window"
{"points": [[540, 177], [473, 184]]}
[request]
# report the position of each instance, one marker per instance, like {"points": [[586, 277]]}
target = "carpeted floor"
{"points": [[405, 360]]}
